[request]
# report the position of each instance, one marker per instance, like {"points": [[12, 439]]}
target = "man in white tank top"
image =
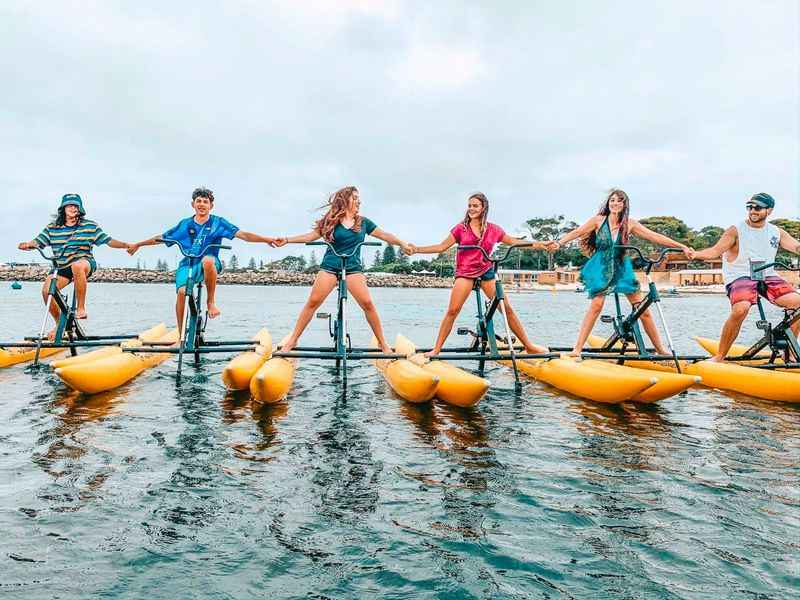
{"points": [[753, 239]]}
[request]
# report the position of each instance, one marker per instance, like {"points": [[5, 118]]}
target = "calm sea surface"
{"points": [[157, 491]]}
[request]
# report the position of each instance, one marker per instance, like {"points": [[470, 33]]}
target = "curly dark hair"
{"points": [[204, 192]]}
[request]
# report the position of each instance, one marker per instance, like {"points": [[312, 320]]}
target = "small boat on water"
{"points": [[580, 290], [16, 285]]}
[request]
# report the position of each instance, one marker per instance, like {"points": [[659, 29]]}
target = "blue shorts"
{"points": [[182, 274]]}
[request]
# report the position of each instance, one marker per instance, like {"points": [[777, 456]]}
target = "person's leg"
{"points": [[324, 283], [649, 324], [357, 286], [61, 283], [210, 276], [514, 323], [790, 301], [462, 288], [180, 308], [80, 277], [730, 330], [595, 308]]}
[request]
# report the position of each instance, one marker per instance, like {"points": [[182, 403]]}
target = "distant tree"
{"points": [[252, 264], [234, 263], [260, 264], [295, 264], [402, 258], [313, 262], [377, 261], [389, 255], [138, 265], [707, 236]]}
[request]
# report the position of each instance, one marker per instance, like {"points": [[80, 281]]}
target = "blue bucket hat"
{"points": [[764, 200], [75, 200]]}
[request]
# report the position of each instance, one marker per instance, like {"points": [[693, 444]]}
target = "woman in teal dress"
{"points": [[609, 270], [343, 226]]}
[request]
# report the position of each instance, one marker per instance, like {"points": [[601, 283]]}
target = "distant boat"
{"points": [[16, 285], [580, 290]]}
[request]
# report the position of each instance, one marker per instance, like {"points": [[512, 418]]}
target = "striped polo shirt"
{"points": [[71, 244]]}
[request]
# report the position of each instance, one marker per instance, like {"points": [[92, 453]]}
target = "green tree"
{"points": [[389, 255], [671, 227], [313, 262], [296, 264], [252, 264], [234, 263], [542, 230], [377, 261]]}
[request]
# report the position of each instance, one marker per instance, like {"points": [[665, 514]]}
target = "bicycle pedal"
{"points": [[765, 325], [606, 319], [323, 315]]}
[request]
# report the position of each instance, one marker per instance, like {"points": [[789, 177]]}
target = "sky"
{"points": [[691, 107]]}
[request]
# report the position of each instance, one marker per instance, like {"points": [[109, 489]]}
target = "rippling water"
{"points": [[158, 491]]}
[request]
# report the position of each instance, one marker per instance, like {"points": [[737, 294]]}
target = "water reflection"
{"points": [[78, 476]]}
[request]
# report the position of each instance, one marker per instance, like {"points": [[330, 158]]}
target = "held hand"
{"points": [[690, 253], [132, 248], [281, 241], [270, 241], [553, 246], [408, 249], [26, 246]]}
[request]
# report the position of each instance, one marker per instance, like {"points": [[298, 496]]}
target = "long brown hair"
{"points": [[590, 242], [337, 206], [484, 213]]}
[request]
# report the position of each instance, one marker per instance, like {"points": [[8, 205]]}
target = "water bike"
{"points": [[778, 347], [627, 330], [341, 349], [192, 334], [69, 334]]}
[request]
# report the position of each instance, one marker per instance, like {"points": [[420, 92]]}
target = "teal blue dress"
{"points": [[607, 271]]}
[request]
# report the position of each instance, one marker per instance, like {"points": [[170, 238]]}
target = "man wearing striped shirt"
{"points": [[71, 237]]}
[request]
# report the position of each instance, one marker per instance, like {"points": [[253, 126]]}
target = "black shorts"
{"points": [[66, 272]]}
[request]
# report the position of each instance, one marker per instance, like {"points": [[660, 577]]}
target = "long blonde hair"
{"points": [[484, 213], [337, 206]]}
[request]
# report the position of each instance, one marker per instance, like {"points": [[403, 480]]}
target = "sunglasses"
{"points": [[755, 207]]}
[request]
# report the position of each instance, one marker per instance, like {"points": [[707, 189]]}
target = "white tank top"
{"points": [[754, 244]]}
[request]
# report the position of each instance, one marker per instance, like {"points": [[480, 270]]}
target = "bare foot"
{"points": [[213, 311], [536, 350], [287, 346], [81, 314], [433, 352], [387, 350], [574, 354], [716, 359], [51, 335]]}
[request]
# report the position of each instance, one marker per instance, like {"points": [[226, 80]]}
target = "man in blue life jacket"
{"points": [[195, 234], [71, 237], [755, 239]]}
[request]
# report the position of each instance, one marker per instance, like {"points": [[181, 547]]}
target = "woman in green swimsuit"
{"points": [[608, 270], [345, 228]]}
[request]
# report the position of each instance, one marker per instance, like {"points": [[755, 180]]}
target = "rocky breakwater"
{"points": [[38, 273]]}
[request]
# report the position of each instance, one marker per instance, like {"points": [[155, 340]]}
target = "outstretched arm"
{"points": [[254, 237], [132, 248], [788, 242], [119, 245], [725, 243], [303, 238], [390, 238], [510, 240], [576, 233], [652, 236], [435, 248]]}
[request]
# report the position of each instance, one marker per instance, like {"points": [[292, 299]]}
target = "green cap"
{"points": [[763, 199], [75, 200]]}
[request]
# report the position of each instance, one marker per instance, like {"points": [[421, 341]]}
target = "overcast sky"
{"points": [[691, 107]]}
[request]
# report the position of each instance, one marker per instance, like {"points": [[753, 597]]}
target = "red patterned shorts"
{"points": [[745, 289]]}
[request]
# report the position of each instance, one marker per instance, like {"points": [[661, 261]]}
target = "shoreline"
{"points": [[33, 274]]}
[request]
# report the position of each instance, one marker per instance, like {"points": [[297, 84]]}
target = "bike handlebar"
{"points": [[499, 259], [344, 256], [648, 261], [777, 263], [187, 255]]}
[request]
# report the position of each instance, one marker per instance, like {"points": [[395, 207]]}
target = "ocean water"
{"points": [[156, 490]]}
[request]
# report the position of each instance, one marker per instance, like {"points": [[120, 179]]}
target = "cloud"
{"points": [[435, 66]]}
